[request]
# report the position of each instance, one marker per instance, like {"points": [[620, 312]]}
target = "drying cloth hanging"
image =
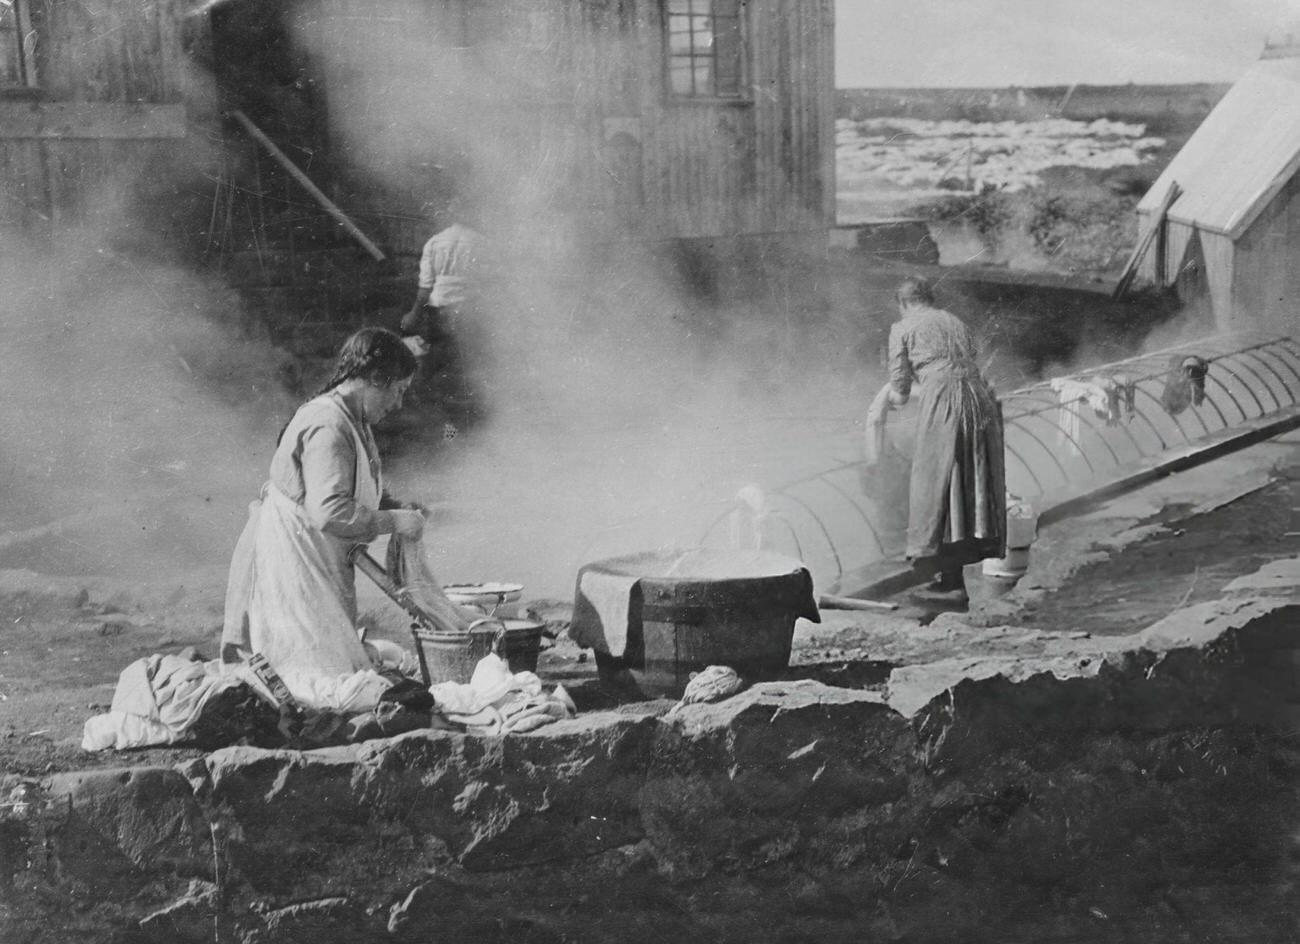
{"points": [[1073, 396], [1121, 394], [1184, 383], [1109, 398]]}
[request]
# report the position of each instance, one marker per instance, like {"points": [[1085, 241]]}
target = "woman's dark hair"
{"points": [[916, 291], [373, 354]]}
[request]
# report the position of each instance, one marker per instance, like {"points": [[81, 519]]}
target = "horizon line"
{"points": [[1038, 85]]}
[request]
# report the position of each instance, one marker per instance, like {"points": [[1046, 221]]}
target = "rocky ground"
{"points": [[1104, 751]]}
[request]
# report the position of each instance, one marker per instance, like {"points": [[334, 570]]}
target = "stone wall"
{"points": [[1140, 788]]}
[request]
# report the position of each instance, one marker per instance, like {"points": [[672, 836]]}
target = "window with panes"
{"points": [[706, 48]]}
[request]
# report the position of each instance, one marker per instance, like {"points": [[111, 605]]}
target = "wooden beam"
{"points": [[90, 120], [306, 183], [1153, 227]]}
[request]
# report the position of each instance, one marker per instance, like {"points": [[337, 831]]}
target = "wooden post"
{"points": [[1155, 226], [282, 159]]}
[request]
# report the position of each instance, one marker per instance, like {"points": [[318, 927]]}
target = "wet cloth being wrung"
{"points": [[409, 569]]}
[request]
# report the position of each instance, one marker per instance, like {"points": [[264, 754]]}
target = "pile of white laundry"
{"points": [[498, 701]]}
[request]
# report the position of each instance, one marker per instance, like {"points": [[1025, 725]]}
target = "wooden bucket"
{"points": [[680, 643], [678, 625]]}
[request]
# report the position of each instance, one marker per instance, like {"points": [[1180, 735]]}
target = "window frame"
{"points": [[17, 41], [742, 94]]}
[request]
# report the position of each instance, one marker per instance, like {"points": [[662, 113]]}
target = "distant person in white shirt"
{"points": [[441, 328], [446, 291]]}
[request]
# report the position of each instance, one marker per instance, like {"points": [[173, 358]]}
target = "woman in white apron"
{"points": [[292, 592]]}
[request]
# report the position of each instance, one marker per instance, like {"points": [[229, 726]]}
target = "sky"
{"points": [[997, 43]]}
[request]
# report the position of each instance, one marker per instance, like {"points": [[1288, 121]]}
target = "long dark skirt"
{"points": [[957, 508]]}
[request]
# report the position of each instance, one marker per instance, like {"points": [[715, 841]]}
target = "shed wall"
{"points": [[761, 166], [570, 115], [1177, 235], [1253, 283], [111, 77], [1267, 272]]}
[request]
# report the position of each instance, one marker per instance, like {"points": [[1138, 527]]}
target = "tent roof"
{"points": [[1241, 156]]}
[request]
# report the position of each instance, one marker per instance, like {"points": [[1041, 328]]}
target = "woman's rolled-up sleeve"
{"points": [[329, 466]]}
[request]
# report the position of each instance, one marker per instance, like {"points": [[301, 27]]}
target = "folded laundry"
{"points": [[497, 701]]}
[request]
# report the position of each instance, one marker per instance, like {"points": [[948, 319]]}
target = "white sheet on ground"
{"points": [[158, 698]]}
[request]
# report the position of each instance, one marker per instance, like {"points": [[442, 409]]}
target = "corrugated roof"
{"points": [[1242, 154]]}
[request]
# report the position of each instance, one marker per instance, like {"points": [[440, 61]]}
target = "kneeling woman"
{"points": [[292, 592]]}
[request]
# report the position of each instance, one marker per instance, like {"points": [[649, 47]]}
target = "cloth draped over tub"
{"points": [[608, 599]]}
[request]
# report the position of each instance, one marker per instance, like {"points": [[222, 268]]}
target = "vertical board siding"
{"points": [[703, 169], [1266, 283], [1285, 315], [756, 167], [106, 50], [1219, 253], [24, 199], [590, 108], [125, 51], [585, 112], [1253, 282]]}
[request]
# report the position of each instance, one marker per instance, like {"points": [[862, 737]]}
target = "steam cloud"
{"points": [[133, 416], [623, 416]]}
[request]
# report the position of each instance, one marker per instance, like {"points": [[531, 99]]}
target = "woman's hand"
{"points": [[408, 524]]}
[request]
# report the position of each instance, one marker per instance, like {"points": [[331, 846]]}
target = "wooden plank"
{"points": [[826, 82], [306, 183], [828, 601], [24, 199], [1159, 465], [1154, 227], [172, 64], [65, 120]]}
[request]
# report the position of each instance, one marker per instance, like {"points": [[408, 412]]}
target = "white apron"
{"points": [[300, 592]]}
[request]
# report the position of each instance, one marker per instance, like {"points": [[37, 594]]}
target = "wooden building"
{"points": [[659, 119], [1229, 241], [96, 99], [664, 119], [697, 131]]}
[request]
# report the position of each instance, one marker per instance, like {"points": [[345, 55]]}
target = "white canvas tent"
{"points": [[1234, 232]]}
